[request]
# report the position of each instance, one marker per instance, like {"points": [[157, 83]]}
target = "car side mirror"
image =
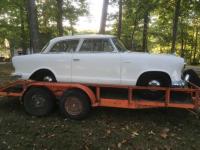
{"points": [[187, 77]]}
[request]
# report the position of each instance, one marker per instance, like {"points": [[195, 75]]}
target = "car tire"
{"points": [[75, 104], [159, 81], [38, 101]]}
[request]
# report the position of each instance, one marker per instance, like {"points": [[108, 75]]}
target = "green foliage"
{"points": [[14, 21], [14, 24], [160, 26], [10, 22], [48, 13]]}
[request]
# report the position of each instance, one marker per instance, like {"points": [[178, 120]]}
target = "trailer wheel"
{"points": [[38, 101], [75, 104]]}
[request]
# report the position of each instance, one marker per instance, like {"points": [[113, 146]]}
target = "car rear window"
{"points": [[96, 45], [65, 46]]}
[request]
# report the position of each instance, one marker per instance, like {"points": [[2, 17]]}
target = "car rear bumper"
{"points": [[20, 76], [16, 76]]}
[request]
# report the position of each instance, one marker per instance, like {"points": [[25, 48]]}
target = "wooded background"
{"points": [[160, 26]]}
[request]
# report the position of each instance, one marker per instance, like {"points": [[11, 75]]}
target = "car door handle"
{"points": [[127, 61], [76, 59]]}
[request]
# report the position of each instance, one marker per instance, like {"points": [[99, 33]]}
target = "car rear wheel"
{"points": [[43, 75], [154, 80], [48, 78]]}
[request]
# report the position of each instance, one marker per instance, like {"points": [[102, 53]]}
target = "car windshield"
{"points": [[44, 48], [119, 45]]}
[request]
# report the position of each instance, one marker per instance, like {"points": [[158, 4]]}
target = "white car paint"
{"points": [[97, 67]]}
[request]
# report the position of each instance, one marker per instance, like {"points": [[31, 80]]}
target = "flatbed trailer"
{"points": [[76, 99]]}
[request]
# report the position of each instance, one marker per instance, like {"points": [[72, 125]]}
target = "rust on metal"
{"points": [[73, 105]]}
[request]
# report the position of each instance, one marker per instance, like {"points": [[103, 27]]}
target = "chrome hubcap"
{"points": [[48, 79], [154, 83]]}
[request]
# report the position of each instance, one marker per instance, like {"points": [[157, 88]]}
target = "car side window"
{"points": [[65, 46], [96, 45]]}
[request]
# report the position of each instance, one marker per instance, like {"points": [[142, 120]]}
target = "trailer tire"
{"points": [[75, 104], [38, 101]]}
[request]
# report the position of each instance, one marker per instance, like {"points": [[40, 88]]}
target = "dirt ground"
{"points": [[105, 128]]}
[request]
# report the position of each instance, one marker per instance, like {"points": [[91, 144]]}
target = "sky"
{"points": [[92, 22]]}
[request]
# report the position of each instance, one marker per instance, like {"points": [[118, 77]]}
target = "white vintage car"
{"points": [[99, 59]]}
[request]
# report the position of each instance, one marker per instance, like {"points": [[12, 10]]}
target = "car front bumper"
{"points": [[180, 83]]}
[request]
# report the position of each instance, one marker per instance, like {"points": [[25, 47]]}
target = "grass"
{"points": [[105, 128]]}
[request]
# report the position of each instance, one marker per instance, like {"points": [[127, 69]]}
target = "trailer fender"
{"points": [[88, 91]]}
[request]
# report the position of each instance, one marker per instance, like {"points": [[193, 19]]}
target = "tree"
{"points": [[33, 26], [175, 25], [104, 17], [13, 25], [51, 17], [148, 7], [195, 45], [60, 17], [120, 20], [23, 33], [15, 21], [145, 31]]}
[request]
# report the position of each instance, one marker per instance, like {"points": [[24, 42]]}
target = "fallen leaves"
{"points": [[48, 136], [151, 133], [164, 133], [119, 145], [134, 134], [108, 131]]}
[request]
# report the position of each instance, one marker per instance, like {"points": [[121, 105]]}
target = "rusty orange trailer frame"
{"points": [[96, 100]]}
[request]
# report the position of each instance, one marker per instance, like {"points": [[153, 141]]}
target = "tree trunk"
{"points": [[182, 43], [175, 25], [71, 27], [135, 25], [104, 17], [192, 45], [23, 37], [120, 20], [145, 31], [33, 26], [132, 37], [195, 46], [60, 17], [45, 17]]}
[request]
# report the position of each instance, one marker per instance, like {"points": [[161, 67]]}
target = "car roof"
{"points": [[82, 36]]}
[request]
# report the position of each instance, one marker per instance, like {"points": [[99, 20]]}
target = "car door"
{"points": [[96, 62], [59, 59]]}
